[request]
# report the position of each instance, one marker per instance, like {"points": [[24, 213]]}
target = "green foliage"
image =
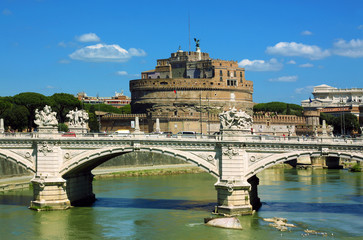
{"points": [[279, 108], [16, 117], [93, 122], [62, 103], [5, 104], [107, 108], [19, 111], [31, 101], [356, 168], [126, 109], [348, 121], [62, 127]]}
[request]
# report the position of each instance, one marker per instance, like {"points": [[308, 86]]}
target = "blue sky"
{"points": [[286, 47]]}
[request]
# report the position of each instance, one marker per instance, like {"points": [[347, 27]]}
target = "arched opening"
{"points": [[79, 178]]}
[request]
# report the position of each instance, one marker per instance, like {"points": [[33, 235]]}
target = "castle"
{"points": [[191, 83]]}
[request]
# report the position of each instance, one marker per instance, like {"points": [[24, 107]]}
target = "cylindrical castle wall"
{"points": [[211, 93]]}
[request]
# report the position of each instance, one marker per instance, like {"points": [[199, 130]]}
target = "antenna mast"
{"points": [[189, 29]]}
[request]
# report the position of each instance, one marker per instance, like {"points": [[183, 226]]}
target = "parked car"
{"points": [[69, 134], [187, 134], [121, 132], [167, 134]]}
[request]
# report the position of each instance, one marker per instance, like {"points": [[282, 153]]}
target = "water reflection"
{"points": [[173, 207], [155, 204], [355, 209]]}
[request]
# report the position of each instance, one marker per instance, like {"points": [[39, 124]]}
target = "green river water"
{"points": [[173, 207]]}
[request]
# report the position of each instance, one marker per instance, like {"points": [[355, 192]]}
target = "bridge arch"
{"points": [[25, 162], [284, 157], [91, 159]]}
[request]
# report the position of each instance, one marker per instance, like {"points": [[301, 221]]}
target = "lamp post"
{"points": [[99, 116], [342, 119]]}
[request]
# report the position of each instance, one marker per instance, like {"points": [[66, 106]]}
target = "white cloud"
{"points": [[304, 90], [306, 33], [137, 52], [353, 48], [284, 79], [6, 12], [122, 73], [261, 65], [64, 61], [298, 49], [104, 53], [88, 37], [306, 65], [291, 62], [360, 27], [62, 44]]}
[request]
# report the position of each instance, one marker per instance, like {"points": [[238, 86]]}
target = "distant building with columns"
{"points": [[336, 101], [119, 100]]}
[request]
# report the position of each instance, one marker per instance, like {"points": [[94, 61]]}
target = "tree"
{"points": [[16, 117], [106, 108], [5, 104], [93, 123], [62, 127], [62, 103], [279, 108], [31, 101], [347, 124]]}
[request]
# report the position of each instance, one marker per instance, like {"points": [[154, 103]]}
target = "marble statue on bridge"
{"points": [[78, 121], [77, 118], [234, 119], [45, 117]]}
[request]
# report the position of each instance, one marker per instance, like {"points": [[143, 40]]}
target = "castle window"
{"points": [[220, 79], [235, 74], [220, 73], [227, 73], [231, 82], [220, 64], [240, 74], [167, 76], [163, 83]]}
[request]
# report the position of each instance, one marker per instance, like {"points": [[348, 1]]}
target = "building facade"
{"points": [[336, 101], [119, 100], [191, 82]]}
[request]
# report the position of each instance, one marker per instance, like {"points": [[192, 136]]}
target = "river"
{"points": [[173, 207]]}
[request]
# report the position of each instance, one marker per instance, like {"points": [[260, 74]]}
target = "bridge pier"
{"points": [[49, 193], [79, 188], [237, 197]]}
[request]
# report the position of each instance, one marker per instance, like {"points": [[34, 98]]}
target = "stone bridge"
{"points": [[62, 165]]}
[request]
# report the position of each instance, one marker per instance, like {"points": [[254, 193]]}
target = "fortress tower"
{"points": [[191, 82]]}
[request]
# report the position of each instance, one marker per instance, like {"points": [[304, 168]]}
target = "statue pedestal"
{"points": [[234, 134], [48, 130], [78, 130]]}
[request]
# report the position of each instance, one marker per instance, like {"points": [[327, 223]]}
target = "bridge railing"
{"points": [[197, 137]]}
